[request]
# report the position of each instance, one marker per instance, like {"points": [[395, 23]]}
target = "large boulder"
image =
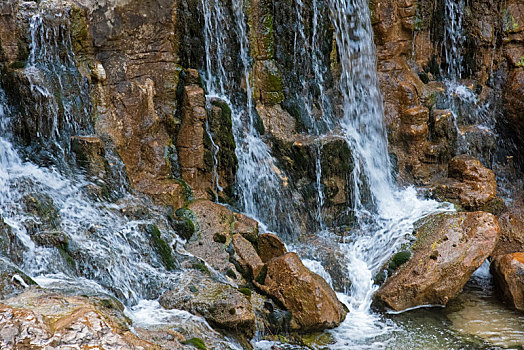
{"points": [[220, 304], [449, 247], [309, 298], [508, 271], [37, 317], [469, 184]]}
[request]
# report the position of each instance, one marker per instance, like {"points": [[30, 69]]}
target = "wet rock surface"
{"points": [[220, 304], [508, 271], [447, 250], [470, 185], [311, 301], [36, 318]]}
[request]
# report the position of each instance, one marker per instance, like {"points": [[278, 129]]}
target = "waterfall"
{"points": [[453, 37], [257, 181], [61, 96], [92, 245]]}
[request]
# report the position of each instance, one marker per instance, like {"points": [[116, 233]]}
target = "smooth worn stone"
{"points": [[449, 247], [508, 271], [311, 301], [270, 246]]}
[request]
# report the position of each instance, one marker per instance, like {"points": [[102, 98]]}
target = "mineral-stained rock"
{"points": [[447, 250], [220, 304], [311, 301], [508, 271], [270, 246], [469, 184], [190, 139], [36, 317]]}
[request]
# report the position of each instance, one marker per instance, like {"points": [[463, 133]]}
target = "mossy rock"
{"points": [[43, 207], [161, 247], [195, 342]]}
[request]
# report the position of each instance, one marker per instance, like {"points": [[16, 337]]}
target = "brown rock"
{"points": [[190, 139], [311, 301], [215, 226], [38, 317], [247, 257], [469, 184], [270, 246], [511, 231], [448, 249], [508, 271], [246, 226]]}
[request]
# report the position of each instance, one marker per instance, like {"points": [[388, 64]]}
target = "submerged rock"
{"points": [[447, 250], [508, 271], [309, 298]]}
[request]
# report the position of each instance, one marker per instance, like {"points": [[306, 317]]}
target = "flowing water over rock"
{"points": [[70, 237]]}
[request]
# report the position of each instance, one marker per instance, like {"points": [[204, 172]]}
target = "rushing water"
{"points": [[112, 252]]}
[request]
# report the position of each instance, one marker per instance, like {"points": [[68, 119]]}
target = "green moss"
{"points": [[64, 253], [79, 30], [201, 267], [161, 247], [195, 342], [187, 191], [399, 259], [18, 64], [246, 291], [230, 273], [261, 278], [520, 63]]}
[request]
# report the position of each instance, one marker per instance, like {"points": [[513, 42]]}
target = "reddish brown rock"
{"points": [[508, 271], [311, 301], [448, 249], [270, 246], [511, 231], [469, 184], [190, 138], [247, 257]]}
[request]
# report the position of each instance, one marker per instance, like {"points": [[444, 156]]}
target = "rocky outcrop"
{"points": [[470, 185], [447, 250], [312, 302], [508, 271], [37, 317]]}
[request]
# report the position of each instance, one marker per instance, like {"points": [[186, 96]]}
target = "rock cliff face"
{"points": [[117, 90]]}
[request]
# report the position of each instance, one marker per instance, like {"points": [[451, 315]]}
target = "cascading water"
{"points": [[257, 181]]}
